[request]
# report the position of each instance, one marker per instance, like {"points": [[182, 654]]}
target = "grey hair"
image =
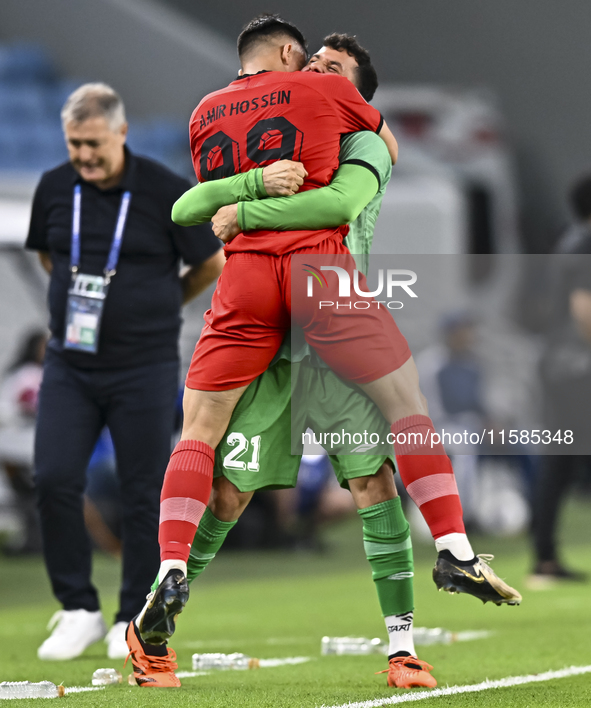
{"points": [[94, 101]]}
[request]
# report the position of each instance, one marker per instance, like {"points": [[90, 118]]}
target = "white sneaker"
{"points": [[116, 644], [73, 632]]}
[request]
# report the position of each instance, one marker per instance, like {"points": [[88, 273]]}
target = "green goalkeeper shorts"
{"points": [[256, 450]]}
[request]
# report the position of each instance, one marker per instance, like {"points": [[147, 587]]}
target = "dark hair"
{"points": [[580, 198], [265, 26], [366, 77], [28, 352]]}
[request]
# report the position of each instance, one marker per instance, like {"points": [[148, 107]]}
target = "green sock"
{"points": [[208, 540], [386, 538], [210, 535]]}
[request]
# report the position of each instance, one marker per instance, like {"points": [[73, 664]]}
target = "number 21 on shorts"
{"points": [[240, 444]]}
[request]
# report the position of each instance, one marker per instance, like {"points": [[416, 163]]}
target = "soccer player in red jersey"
{"points": [[273, 112]]}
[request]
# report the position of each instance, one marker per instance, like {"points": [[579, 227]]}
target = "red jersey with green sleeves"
{"points": [[273, 116]]}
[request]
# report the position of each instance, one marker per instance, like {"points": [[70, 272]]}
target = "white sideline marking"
{"points": [[475, 688], [191, 674]]}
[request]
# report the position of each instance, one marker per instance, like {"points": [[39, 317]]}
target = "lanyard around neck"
{"points": [[113, 259]]}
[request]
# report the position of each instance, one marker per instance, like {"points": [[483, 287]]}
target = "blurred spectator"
{"points": [[453, 381], [101, 224], [19, 395], [566, 376]]}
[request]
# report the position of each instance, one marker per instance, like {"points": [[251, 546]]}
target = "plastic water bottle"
{"points": [[424, 636], [26, 689], [359, 646], [354, 646], [223, 662], [105, 677]]}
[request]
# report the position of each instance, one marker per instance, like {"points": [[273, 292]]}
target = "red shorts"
{"points": [[255, 300]]}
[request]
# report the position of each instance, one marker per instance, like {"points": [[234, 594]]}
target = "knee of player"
{"points": [[227, 503]]}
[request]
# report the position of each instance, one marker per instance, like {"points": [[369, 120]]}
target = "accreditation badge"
{"points": [[86, 300]]}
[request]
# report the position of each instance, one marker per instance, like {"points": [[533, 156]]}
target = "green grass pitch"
{"points": [[281, 604]]}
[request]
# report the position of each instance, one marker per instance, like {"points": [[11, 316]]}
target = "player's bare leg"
{"points": [[428, 476], [398, 394], [185, 494], [227, 502]]}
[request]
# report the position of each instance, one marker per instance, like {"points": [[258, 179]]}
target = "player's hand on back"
{"points": [[225, 223], [283, 178]]}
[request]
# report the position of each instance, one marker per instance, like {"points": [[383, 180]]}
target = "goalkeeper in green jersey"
{"points": [[255, 451]]}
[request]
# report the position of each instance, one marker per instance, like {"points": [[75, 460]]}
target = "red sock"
{"points": [[427, 474], [185, 494]]}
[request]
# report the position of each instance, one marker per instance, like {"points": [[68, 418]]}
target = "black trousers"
{"points": [[138, 406], [567, 407], [557, 476]]}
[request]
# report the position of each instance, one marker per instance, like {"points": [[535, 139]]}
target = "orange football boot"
{"points": [[409, 672], [150, 671]]}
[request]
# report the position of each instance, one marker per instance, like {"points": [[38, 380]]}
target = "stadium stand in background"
{"points": [[32, 93]]}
